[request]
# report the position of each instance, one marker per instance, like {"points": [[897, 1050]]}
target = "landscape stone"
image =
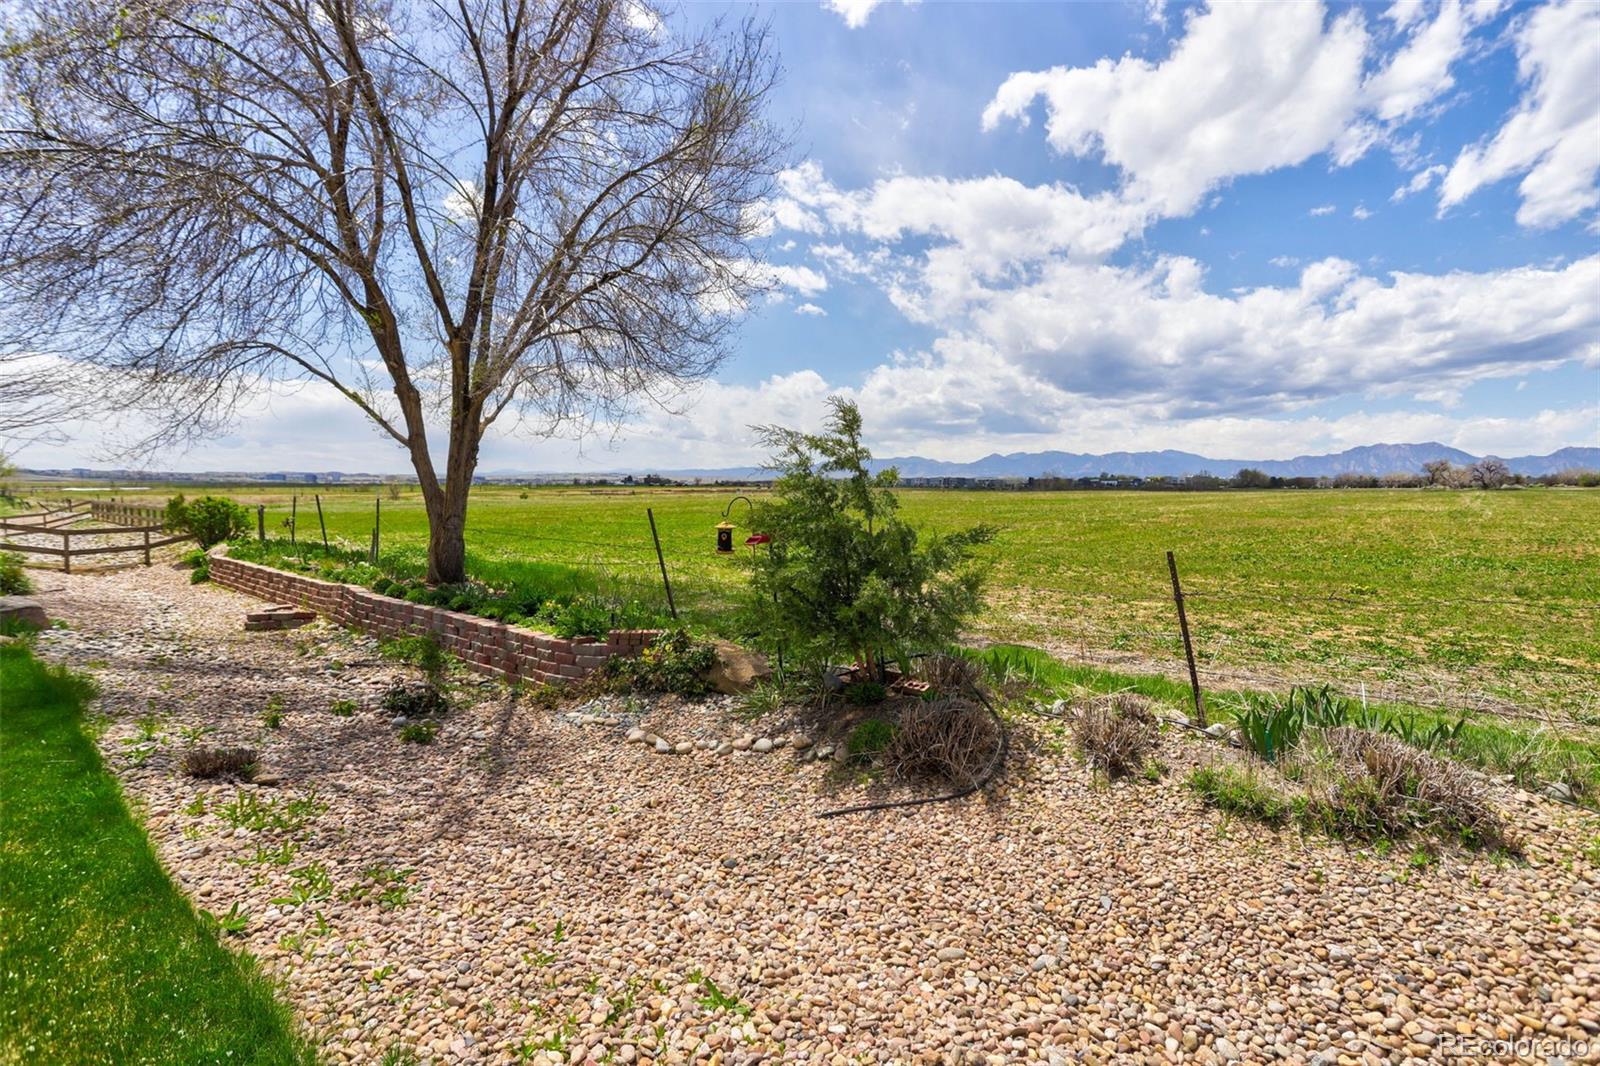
{"points": [[737, 670], [23, 610]]}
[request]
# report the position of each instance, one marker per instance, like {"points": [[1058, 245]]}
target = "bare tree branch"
{"points": [[544, 207]]}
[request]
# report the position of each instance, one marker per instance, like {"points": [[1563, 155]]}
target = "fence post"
{"points": [[320, 522], [294, 507], [1188, 646], [261, 522], [662, 560], [147, 545], [377, 524]]}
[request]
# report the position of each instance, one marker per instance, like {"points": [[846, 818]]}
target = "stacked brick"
{"points": [[278, 616], [486, 646]]}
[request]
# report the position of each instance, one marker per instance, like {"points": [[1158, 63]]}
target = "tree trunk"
{"points": [[447, 503], [447, 537]]}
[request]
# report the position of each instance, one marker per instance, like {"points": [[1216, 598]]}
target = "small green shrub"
{"points": [[202, 573], [210, 519], [845, 576], [771, 695], [674, 662], [419, 732], [192, 558], [869, 739], [576, 618], [423, 652], [342, 708], [273, 716], [414, 701], [865, 693], [14, 580], [1239, 792]]}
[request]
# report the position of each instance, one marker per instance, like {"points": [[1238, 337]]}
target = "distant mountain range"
{"points": [[1370, 459], [1374, 459]]}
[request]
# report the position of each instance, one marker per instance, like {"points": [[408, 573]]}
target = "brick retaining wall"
{"points": [[487, 646]]}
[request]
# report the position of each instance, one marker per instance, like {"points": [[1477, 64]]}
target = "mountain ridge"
{"points": [[1374, 459]]}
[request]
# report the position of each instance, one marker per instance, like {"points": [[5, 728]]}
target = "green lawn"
{"points": [[101, 959], [1439, 595]]}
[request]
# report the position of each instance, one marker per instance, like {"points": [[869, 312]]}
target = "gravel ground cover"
{"points": [[532, 886]]}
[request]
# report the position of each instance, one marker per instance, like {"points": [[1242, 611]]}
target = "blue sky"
{"points": [[1257, 230]]}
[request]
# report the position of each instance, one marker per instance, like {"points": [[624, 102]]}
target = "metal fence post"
{"points": [[1188, 646]]}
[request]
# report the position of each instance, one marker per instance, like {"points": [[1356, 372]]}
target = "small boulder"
{"points": [[1558, 791], [21, 609], [736, 669]]}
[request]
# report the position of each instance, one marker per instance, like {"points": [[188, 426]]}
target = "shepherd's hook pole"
{"points": [[662, 560]]}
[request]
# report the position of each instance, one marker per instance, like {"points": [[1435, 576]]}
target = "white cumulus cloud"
{"points": [[855, 12], [1553, 136], [1419, 181]]}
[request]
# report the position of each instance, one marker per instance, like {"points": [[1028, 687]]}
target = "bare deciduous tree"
{"points": [[1443, 473], [447, 211], [1489, 473]]}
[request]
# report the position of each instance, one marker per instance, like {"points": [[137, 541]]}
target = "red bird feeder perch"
{"points": [[757, 538]]}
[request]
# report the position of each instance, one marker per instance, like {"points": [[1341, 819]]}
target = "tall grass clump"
{"points": [[1271, 726], [1115, 733]]}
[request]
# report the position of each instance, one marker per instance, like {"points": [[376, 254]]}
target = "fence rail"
{"points": [[56, 522], [129, 514]]}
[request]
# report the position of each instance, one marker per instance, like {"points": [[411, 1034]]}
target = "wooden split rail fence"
{"points": [[60, 522]]}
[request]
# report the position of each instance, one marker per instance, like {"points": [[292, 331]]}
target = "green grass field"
{"points": [[1460, 598], [101, 959]]}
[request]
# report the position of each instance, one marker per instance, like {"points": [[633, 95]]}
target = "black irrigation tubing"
{"points": [[981, 783]]}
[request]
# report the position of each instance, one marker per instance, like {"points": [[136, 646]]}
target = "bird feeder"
{"points": [[757, 538], [724, 538]]}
